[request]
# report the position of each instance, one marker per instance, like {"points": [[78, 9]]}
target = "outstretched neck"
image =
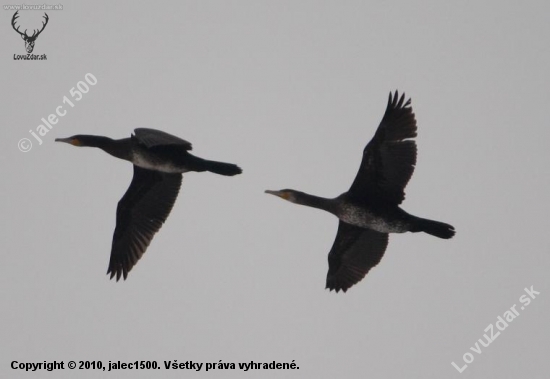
{"points": [[120, 148], [315, 201]]}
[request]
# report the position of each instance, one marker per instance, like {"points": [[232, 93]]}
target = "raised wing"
{"points": [[152, 137], [140, 214], [389, 158], [354, 252]]}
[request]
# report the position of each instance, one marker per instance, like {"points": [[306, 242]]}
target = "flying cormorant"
{"points": [[370, 209], [159, 161]]}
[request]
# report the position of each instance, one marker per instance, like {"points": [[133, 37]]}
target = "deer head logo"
{"points": [[29, 40]]}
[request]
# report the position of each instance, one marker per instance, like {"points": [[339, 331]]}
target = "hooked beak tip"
{"points": [[69, 140]]}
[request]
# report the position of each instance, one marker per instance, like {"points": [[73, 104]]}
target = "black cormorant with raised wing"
{"points": [[159, 161], [370, 209]]}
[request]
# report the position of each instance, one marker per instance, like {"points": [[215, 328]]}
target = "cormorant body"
{"points": [[159, 160], [370, 210]]}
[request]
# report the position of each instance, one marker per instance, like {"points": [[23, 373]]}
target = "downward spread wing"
{"points": [[140, 214], [354, 252], [152, 137], [389, 158]]}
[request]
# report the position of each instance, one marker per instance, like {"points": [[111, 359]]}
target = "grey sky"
{"points": [[291, 91]]}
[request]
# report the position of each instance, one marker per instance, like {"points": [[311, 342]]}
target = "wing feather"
{"points": [[354, 252], [140, 214], [152, 137], [390, 157]]}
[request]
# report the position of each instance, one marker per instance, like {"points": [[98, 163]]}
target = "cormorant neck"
{"points": [[315, 201], [120, 148]]}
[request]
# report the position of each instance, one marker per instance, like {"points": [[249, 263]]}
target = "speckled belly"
{"points": [[358, 216]]}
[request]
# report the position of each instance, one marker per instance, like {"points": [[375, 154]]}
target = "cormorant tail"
{"points": [[227, 169], [435, 228]]}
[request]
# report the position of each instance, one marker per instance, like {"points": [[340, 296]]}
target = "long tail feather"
{"points": [[435, 228], [222, 168]]}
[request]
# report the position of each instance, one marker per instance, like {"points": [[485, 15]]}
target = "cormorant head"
{"points": [[287, 194], [74, 140]]}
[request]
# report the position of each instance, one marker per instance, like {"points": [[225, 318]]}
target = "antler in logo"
{"points": [[29, 40]]}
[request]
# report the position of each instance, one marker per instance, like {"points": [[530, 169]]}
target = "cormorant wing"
{"points": [[152, 137], [389, 158], [354, 252], [140, 214]]}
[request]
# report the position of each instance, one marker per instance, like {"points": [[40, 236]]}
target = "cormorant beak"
{"points": [[70, 140], [281, 194]]}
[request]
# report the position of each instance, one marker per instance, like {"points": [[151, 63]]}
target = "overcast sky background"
{"points": [[291, 91]]}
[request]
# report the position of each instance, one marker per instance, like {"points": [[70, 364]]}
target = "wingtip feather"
{"points": [[396, 101]]}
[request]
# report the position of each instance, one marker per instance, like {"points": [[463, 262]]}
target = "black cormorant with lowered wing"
{"points": [[159, 161]]}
